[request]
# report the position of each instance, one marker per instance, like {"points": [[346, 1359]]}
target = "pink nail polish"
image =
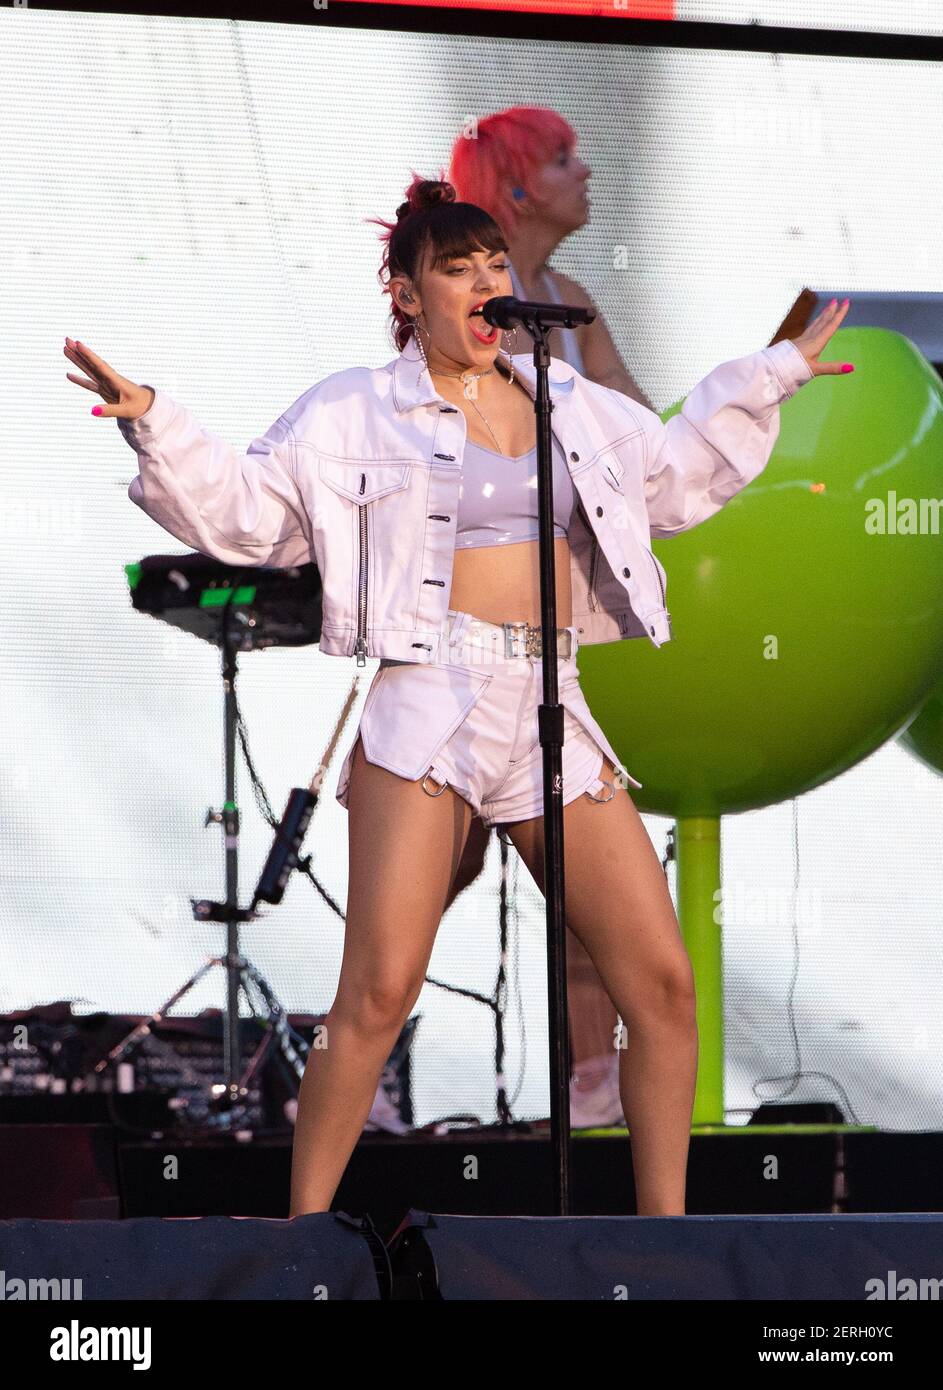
{"points": [[97, 410], [848, 367]]}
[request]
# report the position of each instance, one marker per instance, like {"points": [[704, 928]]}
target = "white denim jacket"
{"points": [[361, 477]]}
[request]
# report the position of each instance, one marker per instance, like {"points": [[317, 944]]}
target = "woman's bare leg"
{"points": [[405, 847], [618, 904], [593, 1016]]}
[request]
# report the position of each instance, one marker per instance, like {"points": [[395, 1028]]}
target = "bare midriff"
{"points": [[501, 583]]}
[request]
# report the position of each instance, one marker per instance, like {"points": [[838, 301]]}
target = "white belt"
{"points": [[512, 639]]}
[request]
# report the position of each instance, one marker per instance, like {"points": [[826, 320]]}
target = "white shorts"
{"points": [[471, 724]]}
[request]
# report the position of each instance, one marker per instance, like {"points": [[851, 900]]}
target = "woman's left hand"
{"points": [[816, 336]]}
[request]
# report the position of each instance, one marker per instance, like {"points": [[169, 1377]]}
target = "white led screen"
{"points": [[188, 197]]}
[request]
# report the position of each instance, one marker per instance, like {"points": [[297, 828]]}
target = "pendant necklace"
{"points": [[468, 378]]}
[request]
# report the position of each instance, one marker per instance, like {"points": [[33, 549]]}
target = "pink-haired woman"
{"points": [[521, 166]]}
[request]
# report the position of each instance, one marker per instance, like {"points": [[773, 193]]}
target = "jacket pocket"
{"points": [[413, 709], [363, 482], [613, 470]]}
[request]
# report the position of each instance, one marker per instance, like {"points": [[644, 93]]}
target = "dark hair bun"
{"points": [[425, 193]]}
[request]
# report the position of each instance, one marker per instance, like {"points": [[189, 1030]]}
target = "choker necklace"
{"points": [[467, 376]]}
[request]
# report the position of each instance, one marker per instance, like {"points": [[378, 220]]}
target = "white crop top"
{"points": [[498, 497]]}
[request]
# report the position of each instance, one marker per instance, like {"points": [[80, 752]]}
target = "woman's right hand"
{"points": [[125, 399]]}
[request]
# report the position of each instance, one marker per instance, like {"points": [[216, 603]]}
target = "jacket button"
{"points": [[627, 573], [652, 631], [599, 511], [575, 458]]}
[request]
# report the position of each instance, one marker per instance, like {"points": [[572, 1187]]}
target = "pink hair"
{"points": [[508, 149]]}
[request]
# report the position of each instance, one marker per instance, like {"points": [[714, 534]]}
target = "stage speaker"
{"points": [[644, 1258], [325, 1256]]}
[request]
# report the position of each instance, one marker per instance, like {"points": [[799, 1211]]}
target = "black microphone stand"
{"points": [[550, 724]]}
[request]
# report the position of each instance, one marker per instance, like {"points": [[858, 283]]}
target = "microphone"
{"points": [[504, 311]]}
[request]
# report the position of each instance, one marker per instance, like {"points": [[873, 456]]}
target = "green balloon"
{"points": [[924, 737], [807, 620]]}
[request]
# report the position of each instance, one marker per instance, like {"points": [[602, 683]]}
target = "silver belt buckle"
{"points": [[511, 633], [532, 643]]}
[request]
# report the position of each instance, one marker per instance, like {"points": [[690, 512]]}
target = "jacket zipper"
{"points": [[361, 646], [592, 575], [594, 562], [661, 587]]}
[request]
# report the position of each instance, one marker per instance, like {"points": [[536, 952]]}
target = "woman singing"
{"points": [[410, 486]]}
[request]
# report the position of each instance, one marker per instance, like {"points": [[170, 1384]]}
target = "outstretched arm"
{"points": [[724, 434], [243, 509]]}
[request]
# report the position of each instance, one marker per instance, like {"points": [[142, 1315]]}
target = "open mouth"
{"points": [[484, 332]]}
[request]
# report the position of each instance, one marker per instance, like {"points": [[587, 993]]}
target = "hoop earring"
{"points": [[414, 324], [507, 350]]}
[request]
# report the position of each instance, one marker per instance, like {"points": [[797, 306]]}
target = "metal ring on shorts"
{"points": [[426, 790], [602, 800]]}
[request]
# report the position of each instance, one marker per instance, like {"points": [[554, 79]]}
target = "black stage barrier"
{"points": [[333, 1257], [802, 1258], [327, 1255]]}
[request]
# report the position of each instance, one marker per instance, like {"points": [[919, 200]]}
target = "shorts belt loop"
{"points": [[457, 625]]}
